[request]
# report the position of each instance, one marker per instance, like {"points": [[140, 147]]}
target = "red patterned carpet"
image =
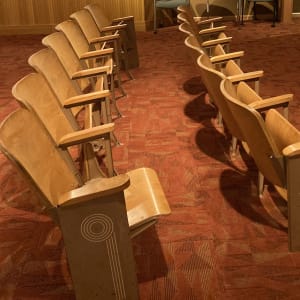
{"points": [[221, 240]]}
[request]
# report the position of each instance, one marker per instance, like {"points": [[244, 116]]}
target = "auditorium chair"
{"points": [[87, 79], [95, 37], [96, 218], [207, 38], [93, 57], [274, 145], [64, 129], [212, 79], [202, 22], [127, 35], [70, 96], [217, 53]]}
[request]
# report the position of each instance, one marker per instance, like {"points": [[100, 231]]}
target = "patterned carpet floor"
{"points": [[221, 241]]}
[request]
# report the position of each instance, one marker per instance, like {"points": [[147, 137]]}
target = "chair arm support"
{"points": [[200, 20], [212, 30], [127, 18], [105, 38], [85, 135], [97, 53], [88, 98], [215, 42], [91, 72], [278, 101], [113, 27], [292, 150], [95, 189], [246, 76], [227, 56]]}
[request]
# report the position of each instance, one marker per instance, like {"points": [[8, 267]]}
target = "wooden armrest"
{"points": [[127, 18], [200, 20], [94, 189], [292, 150], [246, 76], [277, 101], [84, 99], [227, 56], [105, 38], [85, 135], [97, 53], [215, 42], [212, 30], [91, 72], [113, 27]]}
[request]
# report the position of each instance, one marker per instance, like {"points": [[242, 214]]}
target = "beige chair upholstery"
{"points": [[95, 217], [274, 144], [127, 35]]}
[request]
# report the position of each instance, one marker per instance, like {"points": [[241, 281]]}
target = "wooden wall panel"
{"points": [[40, 16]]}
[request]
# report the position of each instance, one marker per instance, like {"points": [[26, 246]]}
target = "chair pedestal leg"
{"points": [[98, 246]]}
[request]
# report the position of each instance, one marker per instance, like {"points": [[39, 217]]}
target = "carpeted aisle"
{"points": [[221, 240]]}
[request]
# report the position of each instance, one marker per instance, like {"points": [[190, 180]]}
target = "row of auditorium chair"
{"points": [[259, 125], [67, 108]]}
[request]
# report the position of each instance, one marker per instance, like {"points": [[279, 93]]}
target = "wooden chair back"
{"points": [[59, 43], [262, 146], [98, 14], [31, 149], [47, 63], [212, 79]]}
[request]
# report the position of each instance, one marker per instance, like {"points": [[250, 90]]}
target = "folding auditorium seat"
{"points": [[274, 144], [94, 36], [130, 55], [63, 129], [96, 217]]}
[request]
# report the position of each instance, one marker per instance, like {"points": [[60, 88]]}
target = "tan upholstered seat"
{"points": [[95, 217], [274, 144]]}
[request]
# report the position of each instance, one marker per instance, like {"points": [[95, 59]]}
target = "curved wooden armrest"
{"points": [[246, 76], [97, 53], [113, 27], [88, 98], [277, 101], [85, 135], [91, 72], [212, 30], [227, 56], [127, 18], [215, 42], [95, 189], [105, 38], [292, 150], [200, 20]]}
